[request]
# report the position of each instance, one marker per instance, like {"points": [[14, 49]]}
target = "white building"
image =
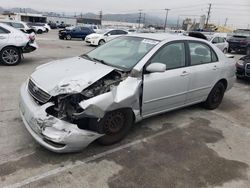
{"points": [[59, 20], [26, 17]]}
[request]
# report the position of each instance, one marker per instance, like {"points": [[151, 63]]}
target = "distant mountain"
{"points": [[20, 10], [133, 18]]}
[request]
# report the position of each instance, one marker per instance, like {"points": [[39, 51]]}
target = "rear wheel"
{"points": [[225, 51], [115, 125], [39, 31], [215, 96], [10, 56]]}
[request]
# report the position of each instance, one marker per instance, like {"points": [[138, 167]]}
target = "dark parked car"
{"points": [[243, 67], [52, 25], [240, 41], [75, 32]]}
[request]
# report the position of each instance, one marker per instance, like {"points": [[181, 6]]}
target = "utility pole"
{"points": [[226, 22], [208, 13], [166, 19], [100, 16], [140, 16], [144, 19]]}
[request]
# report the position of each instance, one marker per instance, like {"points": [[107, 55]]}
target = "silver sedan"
{"points": [[67, 104]]}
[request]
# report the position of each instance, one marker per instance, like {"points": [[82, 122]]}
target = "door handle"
{"points": [[184, 73]]}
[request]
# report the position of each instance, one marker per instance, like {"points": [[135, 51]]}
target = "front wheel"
{"points": [[68, 37], [101, 42], [114, 125], [215, 97], [10, 56]]}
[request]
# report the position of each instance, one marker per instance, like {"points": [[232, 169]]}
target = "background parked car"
{"points": [[18, 25], [13, 43], [239, 43], [37, 27], [220, 42], [103, 36], [75, 32], [52, 25], [243, 67]]}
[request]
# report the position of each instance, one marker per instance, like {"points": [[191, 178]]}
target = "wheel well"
{"points": [[224, 82], [19, 48], [128, 109]]}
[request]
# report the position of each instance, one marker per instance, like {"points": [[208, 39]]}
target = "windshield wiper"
{"points": [[101, 61], [87, 57]]}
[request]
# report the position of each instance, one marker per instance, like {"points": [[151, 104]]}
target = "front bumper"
{"points": [[244, 71], [91, 41], [52, 133]]}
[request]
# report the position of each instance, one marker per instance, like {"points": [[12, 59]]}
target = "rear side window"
{"points": [[3, 31], [201, 54], [121, 32], [221, 40]]}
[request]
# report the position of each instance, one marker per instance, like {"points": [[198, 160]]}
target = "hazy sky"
{"points": [[237, 11]]}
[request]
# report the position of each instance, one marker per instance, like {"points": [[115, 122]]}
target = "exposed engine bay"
{"points": [[67, 106]]}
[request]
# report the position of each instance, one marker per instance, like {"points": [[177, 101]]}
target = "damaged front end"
{"points": [[66, 122]]}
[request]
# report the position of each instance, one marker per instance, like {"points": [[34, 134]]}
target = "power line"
{"points": [[139, 21]]}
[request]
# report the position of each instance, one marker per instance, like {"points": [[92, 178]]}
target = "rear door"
{"points": [[205, 68], [4, 37]]}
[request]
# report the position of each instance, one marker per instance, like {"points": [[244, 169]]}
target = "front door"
{"points": [[167, 90], [4, 37]]}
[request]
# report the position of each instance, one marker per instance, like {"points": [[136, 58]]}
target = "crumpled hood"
{"points": [[70, 75]]}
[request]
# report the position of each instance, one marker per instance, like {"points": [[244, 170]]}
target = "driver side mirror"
{"points": [[156, 67]]}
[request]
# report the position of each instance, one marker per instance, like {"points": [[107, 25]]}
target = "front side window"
{"points": [[215, 40], [123, 52], [221, 40], [200, 53], [172, 55]]}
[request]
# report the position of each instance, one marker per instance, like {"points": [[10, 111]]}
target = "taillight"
{"points": [[243, 42], [31, 37]]}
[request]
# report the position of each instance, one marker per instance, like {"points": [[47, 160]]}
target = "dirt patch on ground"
{"points": [[178, 159]]}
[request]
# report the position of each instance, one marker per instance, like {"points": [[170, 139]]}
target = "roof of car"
{"points": [[163, 36]]}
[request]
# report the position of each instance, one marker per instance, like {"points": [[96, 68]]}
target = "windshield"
{"points": [[102, 31], [123, 52]]}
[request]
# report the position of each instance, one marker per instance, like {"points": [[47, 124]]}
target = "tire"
{"points": [[39, 31], [225, 51], [47, 30], [115, 125], [229, 50], [68, 37], [215, 97], [10, 56], [101, 42], [248, 51]]}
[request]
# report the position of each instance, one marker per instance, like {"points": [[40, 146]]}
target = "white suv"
{"points": [[13, 43]]}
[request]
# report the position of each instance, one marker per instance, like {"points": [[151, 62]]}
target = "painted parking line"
{"points": [[89, 159]]}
